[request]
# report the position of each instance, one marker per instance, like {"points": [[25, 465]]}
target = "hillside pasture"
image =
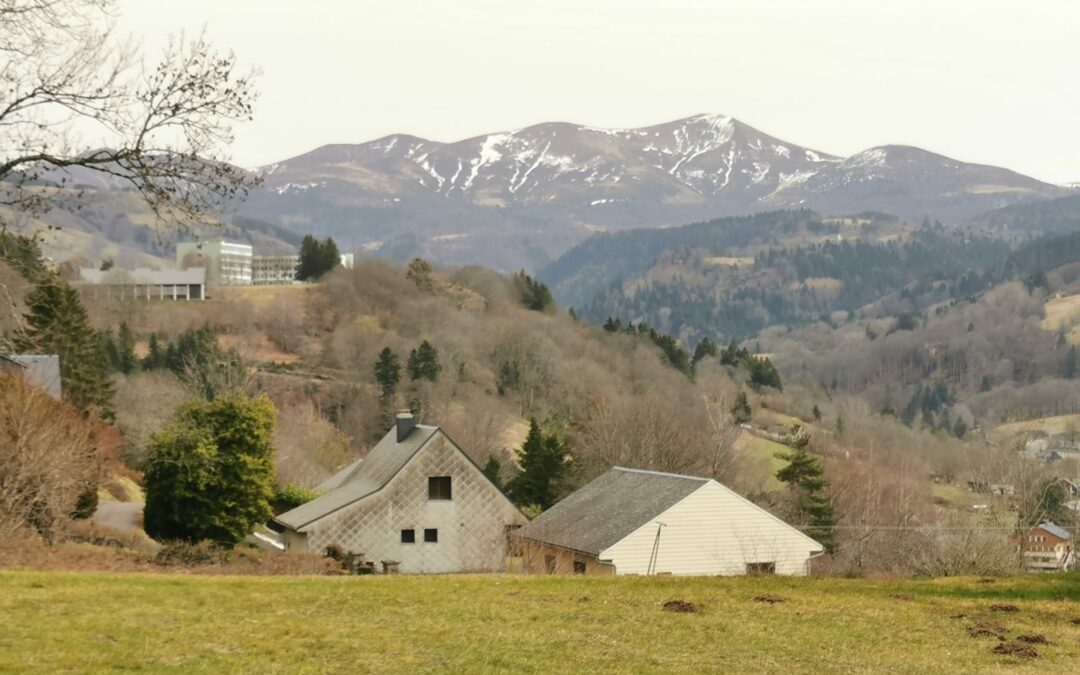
{"points": [[103, 623]]}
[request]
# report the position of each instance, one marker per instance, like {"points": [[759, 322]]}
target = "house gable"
{"points": [[712, 531], [469, 528]]}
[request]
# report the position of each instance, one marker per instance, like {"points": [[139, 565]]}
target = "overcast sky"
{"points": [[980, 80]]}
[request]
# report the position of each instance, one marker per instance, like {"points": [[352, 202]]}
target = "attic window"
{"points": [[438, 488], [431, 535], [408, 536]]}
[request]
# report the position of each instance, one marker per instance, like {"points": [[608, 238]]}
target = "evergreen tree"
{"points": [[741, 413], [423, 363], [959, 428], [317, 258], [210, 474], [816, 412], [613, 325], [1047, 503], [544, 462], [534, 294], [23, 254], [387, 373], [805, 479], [57, 323], [125, 348], [764, 374], [704, 349], [155, 358], [1071, 367], [493, 470]]}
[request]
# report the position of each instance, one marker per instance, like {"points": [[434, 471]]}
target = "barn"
{"points": [[629, 521]]}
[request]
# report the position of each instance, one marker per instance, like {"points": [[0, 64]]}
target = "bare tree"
{"points": [[78, 104], [47, 459]]}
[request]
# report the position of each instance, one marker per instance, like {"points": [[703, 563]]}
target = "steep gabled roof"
{"points": [[360, 479], [1055, 530], [608, 509]]}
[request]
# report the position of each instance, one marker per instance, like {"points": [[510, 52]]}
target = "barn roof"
{"points": [[361, 478], [609, 508], [1055, 530]]}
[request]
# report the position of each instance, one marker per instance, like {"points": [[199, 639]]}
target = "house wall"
{"points": [[1044, 551], [537, 558], [472, 526], [713, 531]]}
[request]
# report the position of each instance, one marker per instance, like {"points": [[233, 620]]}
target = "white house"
{"points": [[629, 521], [416, 501]]}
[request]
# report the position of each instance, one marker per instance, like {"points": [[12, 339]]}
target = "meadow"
{"points": [[82, 622]]}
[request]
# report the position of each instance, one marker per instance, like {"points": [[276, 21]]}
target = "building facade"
{"points": [[1046, 548], [144, 284], [269, 270], [629, 521], [416, 504], [227, 263]]}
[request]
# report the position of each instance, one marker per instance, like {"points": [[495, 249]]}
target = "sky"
{"points": [[985, 81]]}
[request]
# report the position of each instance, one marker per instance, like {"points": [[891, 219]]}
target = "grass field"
{"points": [[57, 622]]}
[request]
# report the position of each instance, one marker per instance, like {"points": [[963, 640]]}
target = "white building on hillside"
{"points": [[227, 263]]}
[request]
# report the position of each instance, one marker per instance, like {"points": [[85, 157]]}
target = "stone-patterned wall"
{"points": [[472, 526]]}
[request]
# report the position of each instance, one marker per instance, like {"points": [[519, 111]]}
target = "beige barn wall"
{"points": [[533, 557]]}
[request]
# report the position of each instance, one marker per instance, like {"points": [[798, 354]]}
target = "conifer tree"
{"points": [[423, 363], [805, 479], [493, 470], [544, 462], [56, 323], [155, 358], [125, 348], [704, 349], [741, 413], [387, 373]]}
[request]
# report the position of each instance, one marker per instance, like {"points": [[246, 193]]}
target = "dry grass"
{"points": [[1061, 313], [724, 261], [103, 623], [1052, 425]]}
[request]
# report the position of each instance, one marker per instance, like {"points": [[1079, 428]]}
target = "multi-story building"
{"points": [[227, 263], [274, 269], [144, 284]]}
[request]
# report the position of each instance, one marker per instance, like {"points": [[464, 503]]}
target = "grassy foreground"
{"points": [[55, 622]]}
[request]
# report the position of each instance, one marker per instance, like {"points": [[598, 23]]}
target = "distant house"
{"points": [[39, 370], [1046, 548], [416, 502], [629, 521]]}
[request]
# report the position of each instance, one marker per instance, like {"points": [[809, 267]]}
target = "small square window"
{"points": [[579, 567], [438, 487], [431, 535], [408, 536]]}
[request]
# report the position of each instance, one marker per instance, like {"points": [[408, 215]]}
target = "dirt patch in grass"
{"points": [[1033, 639], [1075, 620], [902, 596], [986, 580], [680, 607], [987, 629], [1018, 649], [1004, 609], [769, 599]]}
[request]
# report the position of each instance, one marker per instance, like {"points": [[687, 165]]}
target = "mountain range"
{"points": [[519, 199]]}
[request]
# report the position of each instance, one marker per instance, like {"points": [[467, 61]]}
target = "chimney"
{"points": [[405, 424]]}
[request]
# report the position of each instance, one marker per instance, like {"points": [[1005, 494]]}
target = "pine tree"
{"points": [[387, 373], [741, 413], [544, 462], [125, 348], [613, 325], [423, 363], [155, 358], [704, 349], [816, 412], [57, 323], [1072, 364], [493, 470], [805, 479], [317, 258]]}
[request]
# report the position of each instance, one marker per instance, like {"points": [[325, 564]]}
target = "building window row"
{"points": [[431, 536]]}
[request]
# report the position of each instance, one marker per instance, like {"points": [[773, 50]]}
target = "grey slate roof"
{"points": [[609, 508], [40, 370], [1055, 530], [360, 479]]}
